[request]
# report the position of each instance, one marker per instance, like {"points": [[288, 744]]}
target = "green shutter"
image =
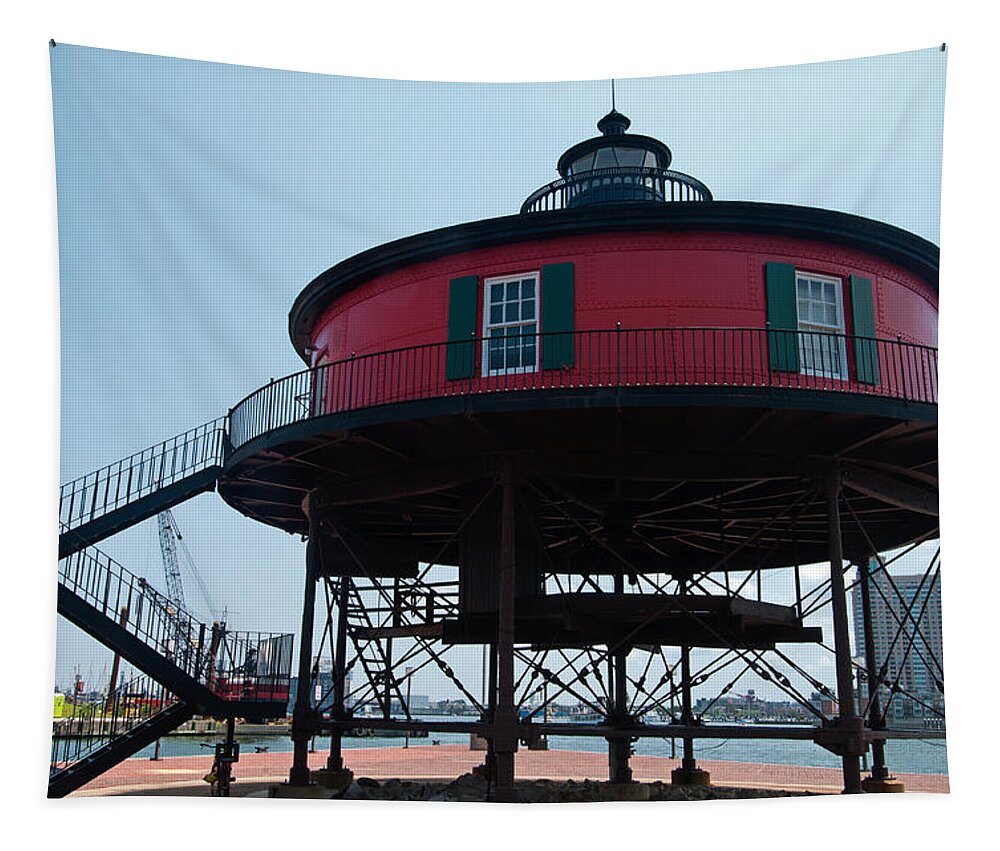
{"points": [[782, 317], [863, 316], [558, 309], [460, 361]]}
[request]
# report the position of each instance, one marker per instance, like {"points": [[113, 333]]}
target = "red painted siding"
{"points": [[641, 280]]}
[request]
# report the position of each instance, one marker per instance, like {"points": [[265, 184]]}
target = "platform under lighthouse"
{"points": [[608, 419]]}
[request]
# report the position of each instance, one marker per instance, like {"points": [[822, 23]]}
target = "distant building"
{"points": [[914, 655], [325, 690], [419, 702]]}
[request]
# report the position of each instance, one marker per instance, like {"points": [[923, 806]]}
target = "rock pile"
{"points": [[473, 787]]}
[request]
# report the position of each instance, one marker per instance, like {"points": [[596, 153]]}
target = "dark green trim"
{"points": [[557, 315], [863, 317], [463, 301], [782, 317]]}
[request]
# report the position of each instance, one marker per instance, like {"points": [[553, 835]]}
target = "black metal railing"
{"points": [[416, 601], [616, 358], [234, 665], [620, 183], [90, 725], [141, 474]]}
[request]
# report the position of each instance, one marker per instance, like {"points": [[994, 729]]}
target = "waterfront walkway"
{"points": [[182, 775]]}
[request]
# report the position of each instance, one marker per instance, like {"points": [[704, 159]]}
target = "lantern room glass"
{"points": [[614, 156]]}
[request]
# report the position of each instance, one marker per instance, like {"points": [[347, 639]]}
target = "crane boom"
{"points": [[171, 567]]}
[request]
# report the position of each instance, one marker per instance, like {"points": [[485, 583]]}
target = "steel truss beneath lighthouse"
{"points": [[621, 580], [616, 546]]}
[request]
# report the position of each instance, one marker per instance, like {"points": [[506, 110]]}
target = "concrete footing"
{"points": [[690, 777], [890, 784], [324, 783]]}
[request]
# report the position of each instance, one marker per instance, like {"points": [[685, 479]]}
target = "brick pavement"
{"points": [[183, 774]]}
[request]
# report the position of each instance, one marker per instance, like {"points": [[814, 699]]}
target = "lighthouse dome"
{"points": [[616, 166]]}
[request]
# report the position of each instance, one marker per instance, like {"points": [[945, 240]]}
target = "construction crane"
{"points": [[170, 539], [169, 535]]}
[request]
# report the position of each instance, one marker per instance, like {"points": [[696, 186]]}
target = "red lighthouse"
{"points": [[578, 437], [610, 412]]}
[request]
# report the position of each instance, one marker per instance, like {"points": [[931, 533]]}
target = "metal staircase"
{"points": [[99, 735], [208, 669], [411, 609], [371, 653], [98, 505], [220, 672]]}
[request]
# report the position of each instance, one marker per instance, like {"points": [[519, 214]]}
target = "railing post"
{"points": [[618, 356], [902, 366], [198, 653], [472, 365]]}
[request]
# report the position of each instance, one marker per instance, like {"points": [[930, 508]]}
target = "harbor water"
{"points": [[908, 756]]}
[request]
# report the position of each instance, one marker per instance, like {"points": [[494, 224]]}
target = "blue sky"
{"points": [[196, 199]]}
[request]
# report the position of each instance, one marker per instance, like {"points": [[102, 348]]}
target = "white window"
{"points": [[510, 324], [820, 305]]}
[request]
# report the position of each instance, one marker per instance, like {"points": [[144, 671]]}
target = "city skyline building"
{"points": [[908, 643]]}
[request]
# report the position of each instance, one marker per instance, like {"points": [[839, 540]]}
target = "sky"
{"points": [[196, 199]]}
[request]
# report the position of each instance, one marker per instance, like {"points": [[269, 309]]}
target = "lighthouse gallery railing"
{"points": [[615, 358]]}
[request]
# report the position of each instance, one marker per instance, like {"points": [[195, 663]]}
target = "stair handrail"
{"points": [[101, 721], [142, 473], [234, 665]]}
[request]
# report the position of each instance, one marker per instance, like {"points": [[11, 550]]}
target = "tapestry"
{"points": [[498, 442]]}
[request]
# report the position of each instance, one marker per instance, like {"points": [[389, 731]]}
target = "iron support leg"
{"points": [[687, 716], [849, 722], [880, 773], [335, 762], [619, 750], [505, 717], [302, 714], [688, 774]]}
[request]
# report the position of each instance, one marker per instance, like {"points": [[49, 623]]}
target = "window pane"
{"points": [[496, 313], [528, 288], [512, 290], [605, 158], [803, 288], [528, 309], [630, 156], [511, 312], [831, 315], [513, 348], [496, 353], [496, 293]]}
